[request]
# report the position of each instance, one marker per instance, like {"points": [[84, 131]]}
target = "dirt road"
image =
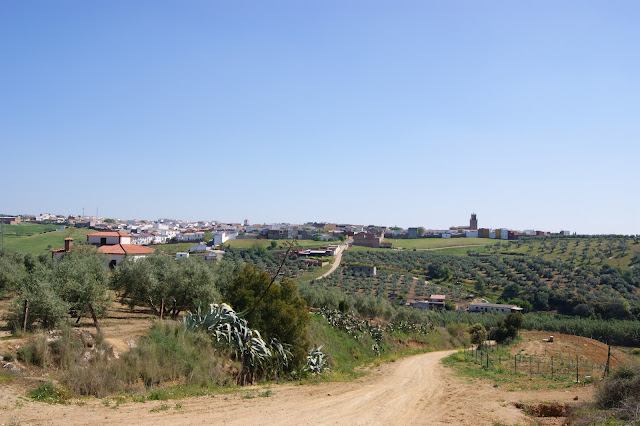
{"points": [[414, 390], [335, 264]]}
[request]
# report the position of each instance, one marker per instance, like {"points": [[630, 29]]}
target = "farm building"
{"points": [[367, 239], [435, 302], [367, 271], [493, 307]]}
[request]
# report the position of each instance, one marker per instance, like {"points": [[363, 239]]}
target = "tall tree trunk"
{"points": [[155, 310], [95, 318]]}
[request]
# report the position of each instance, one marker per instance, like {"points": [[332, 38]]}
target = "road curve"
{"points": [[336, 262], [413, 390]]}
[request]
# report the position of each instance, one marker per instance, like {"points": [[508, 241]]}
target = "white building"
{"points": [[103, 238], [191, 236], [471, 234], [493, 307], [221, 237]]}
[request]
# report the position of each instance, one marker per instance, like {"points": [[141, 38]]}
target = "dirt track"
{"points": [[414, 390]]}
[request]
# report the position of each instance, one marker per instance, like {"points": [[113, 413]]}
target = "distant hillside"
{"points": [[530, 281], [619, 252]]}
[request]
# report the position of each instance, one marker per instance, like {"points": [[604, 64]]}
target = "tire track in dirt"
{"points": [[413, 390]]}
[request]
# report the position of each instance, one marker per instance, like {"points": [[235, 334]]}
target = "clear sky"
{"points": [[400, 113]]}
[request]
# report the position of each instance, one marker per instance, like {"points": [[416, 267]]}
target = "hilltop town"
{"points": [[163, 231]]}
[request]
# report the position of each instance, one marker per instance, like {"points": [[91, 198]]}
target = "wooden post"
{"points": [[606, 367], [161, 308], [551, 367], [24, 319], [577, 368], [515, 363]]}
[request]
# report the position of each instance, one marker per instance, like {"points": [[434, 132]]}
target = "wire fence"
{"points": [[565, 366]]}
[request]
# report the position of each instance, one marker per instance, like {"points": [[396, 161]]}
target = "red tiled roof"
{"points": [[62, 250], [125, 249], [108, 234]]}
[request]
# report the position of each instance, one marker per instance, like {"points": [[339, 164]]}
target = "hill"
{"points": [[27, 241]]}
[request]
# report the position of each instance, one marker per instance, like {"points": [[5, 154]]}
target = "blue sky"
{"points": [[400, 113]]}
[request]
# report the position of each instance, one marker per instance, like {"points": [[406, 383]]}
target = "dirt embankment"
{"points": [[414, 390]]}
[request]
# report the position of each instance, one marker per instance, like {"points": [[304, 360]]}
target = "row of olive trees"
{"points": [[77, 285]]}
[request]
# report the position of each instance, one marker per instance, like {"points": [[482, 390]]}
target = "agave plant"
{"points": [[317, 362], [230, 330]]}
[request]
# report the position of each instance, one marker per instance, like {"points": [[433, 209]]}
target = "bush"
{"points": [[36, 353], [621, 392], [281, 314], [169, 352], [50, 393]]}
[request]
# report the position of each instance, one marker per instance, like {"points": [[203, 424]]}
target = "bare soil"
{"points": [[413, 390]]}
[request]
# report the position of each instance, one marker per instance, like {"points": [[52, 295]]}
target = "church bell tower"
{"points": [[473, 223]]}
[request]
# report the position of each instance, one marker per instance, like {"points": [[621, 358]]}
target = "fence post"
{"points": [[551, 367], [515, 363], [577, 364], [24, 319]]}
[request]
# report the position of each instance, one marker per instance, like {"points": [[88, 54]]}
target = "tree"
{"points": [[12, 272], [76, 283], [280, 313], [81, 279], [169, 286], [445, 273], [478, 334], [508, 327], [480, 285], [421, 231]]}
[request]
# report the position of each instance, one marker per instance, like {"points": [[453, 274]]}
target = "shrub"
{"points": [[50, 393], [36, 353], [622, 384], [275, 309]]}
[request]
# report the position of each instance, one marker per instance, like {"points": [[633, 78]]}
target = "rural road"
{"points": [[413, 390], [335, 264]]}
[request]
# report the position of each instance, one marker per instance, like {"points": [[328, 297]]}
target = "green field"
{"points": [[583, 251], [431, 243], [28, 228], [43, 243]]}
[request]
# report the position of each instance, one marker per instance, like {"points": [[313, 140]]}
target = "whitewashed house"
{"points": [[221, 237]]}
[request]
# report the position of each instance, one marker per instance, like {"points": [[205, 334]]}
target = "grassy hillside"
{"points": [[431, 243], [42, 243], [28, 228], [545, 284], [619, 252]]}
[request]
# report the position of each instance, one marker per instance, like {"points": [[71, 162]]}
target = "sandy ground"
{"points": [[413, 390]]}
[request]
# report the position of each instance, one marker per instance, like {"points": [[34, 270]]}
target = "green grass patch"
{"points": [[6, 377], [434, 243], [24, 229], [50, 394], [43, 243], [500, 370]]}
